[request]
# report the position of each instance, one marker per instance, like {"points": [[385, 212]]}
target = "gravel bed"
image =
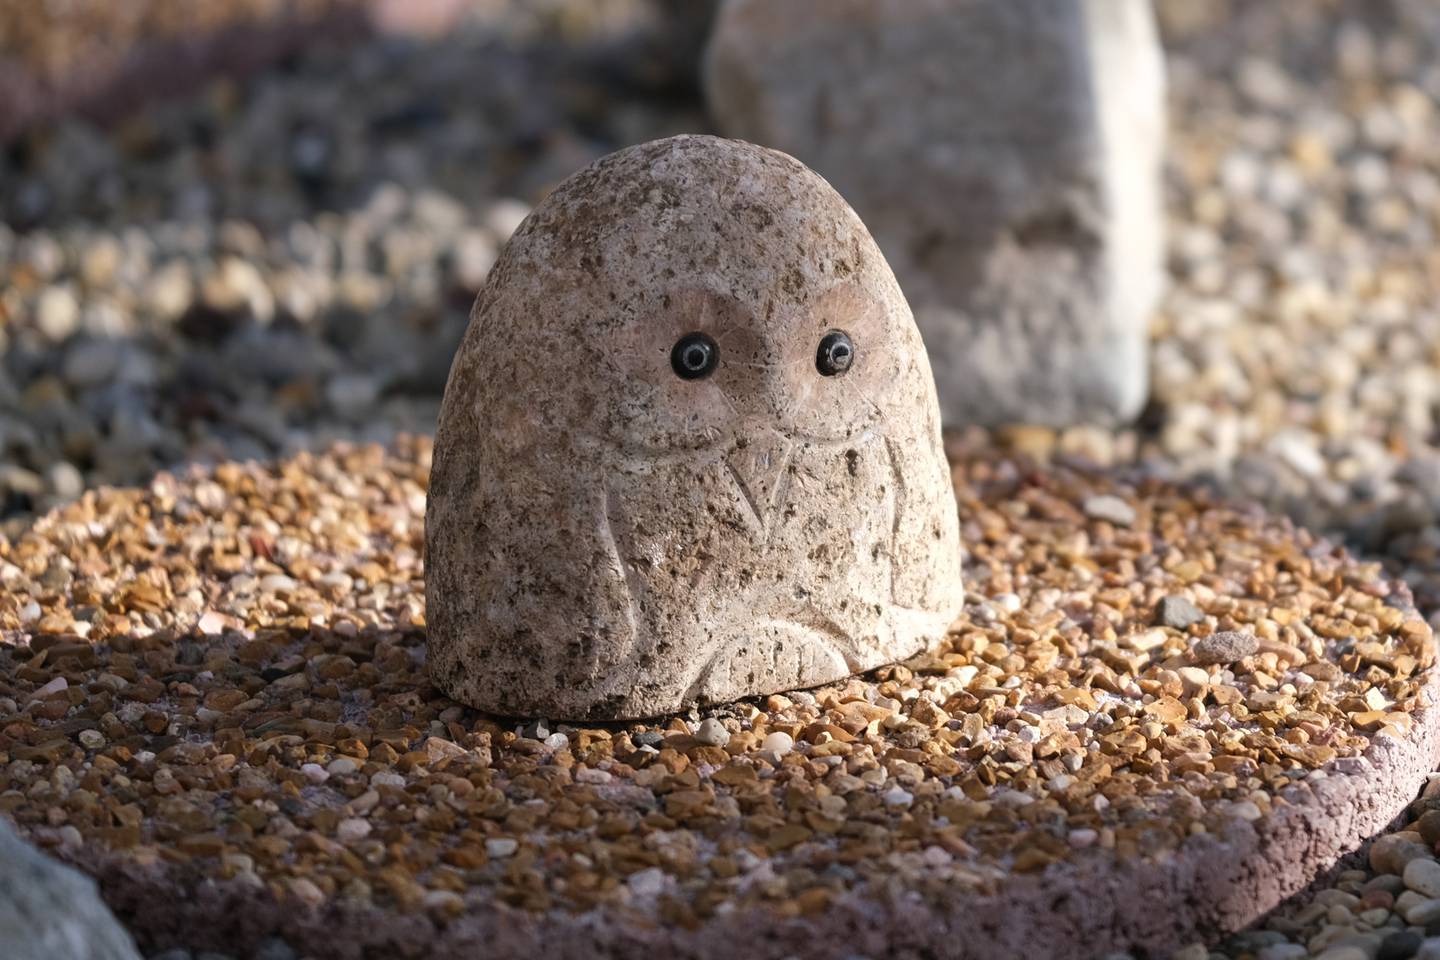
{"points": [[217, 683]]}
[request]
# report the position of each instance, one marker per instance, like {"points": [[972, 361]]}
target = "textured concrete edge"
{"points": [[1212, 887]]}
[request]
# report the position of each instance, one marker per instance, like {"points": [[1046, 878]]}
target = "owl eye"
{"points": [[835, 355], [694, 356]]}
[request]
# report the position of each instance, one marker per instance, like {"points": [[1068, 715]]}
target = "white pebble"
{"points": [[778, 743], [898, 797], [649, 882], [342, 767], [498, 848], [1246, 810], [60, 684], [211, 623], [712, 733], [1008, 602], [937, 856], [314, 773], [307, 892], [1109, 508], [352, 829]]}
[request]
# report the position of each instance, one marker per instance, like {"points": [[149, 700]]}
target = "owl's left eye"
{"points": [[836, 354], [694, 356]]}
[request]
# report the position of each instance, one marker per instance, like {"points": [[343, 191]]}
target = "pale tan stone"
{"points": [[606, 539]]}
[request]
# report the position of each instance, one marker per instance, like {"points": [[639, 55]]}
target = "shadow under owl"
{"points": [[689, 450]]}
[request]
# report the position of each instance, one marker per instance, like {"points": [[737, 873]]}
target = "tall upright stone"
{"points": [[1006, 155], [49, 911]]}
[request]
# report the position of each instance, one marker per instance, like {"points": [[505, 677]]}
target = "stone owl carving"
{"points": [[689, 450]]}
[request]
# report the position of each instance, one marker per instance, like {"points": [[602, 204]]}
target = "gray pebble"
{"points": [[1400, 945], [89, 363], [535, 730], [1178, 612], [1226, 646], [713, 733]]}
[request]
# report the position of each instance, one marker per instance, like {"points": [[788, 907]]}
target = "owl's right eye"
{"points": [[694, 356]]}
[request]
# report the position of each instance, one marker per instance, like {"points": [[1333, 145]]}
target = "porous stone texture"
{"points": [[49, 911], [1006, 155], [609, 539]]}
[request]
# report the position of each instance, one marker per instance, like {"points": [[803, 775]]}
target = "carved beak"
{"points": [[758, 465]]}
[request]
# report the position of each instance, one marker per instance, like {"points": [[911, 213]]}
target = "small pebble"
{"points": [[1226, 646], [1400, 945], [1423, 876], [649, 882], [1177, 612], [712, 733], [1111, 509], [498, 848], [1423, 913], [898, 797], [778, 743], [353, 829], [1391, 853]]}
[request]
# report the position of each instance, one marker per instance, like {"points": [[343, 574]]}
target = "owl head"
{"points": [[690, 292]]}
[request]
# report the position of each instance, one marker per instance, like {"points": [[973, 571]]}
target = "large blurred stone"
{"points": [[1005, 154], [49, 911]]}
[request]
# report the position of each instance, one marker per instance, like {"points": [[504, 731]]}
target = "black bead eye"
{"points": [[694, 356], [836, 354]]}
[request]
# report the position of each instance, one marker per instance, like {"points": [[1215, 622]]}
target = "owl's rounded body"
{"points": [[689, 451]]}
